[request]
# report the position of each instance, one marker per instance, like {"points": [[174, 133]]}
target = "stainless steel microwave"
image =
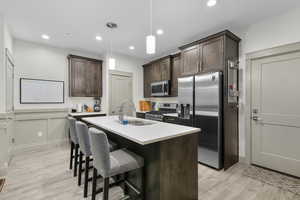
{"points": [[160, 89]]}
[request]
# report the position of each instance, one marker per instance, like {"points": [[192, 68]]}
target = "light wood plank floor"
{"points": [[44, 175]]}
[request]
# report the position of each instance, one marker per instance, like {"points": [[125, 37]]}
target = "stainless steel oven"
{"points": [[160, 89]]}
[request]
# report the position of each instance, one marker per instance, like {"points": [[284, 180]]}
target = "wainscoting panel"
{"points": [[6, 132], [39, 128], [31, 132], [57, 130]]}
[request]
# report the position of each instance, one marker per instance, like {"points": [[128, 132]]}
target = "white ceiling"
{"points": [[181, 20]]}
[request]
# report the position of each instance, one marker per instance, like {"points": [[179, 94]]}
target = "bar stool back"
{"points": [[85, 150], [74, 145], [110, 164]]}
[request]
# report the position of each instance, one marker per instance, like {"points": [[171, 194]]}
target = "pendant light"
{"points": [[150, 39], [111, 59]]}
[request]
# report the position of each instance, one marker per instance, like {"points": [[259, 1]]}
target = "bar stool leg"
{"points": [[126, 190], [86, 176], [80, 168], [106, 189], [94, 193], [76, 159], [71, 155]]}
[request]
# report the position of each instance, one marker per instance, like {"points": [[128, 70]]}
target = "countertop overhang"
{"points": [[143, 135]]}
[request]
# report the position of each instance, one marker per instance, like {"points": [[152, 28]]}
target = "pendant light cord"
{"points": [[110, 43], [151, 16], [110, 48]]}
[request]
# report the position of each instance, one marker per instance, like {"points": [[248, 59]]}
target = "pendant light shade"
{"points": [[112, 63], [150, 44]]}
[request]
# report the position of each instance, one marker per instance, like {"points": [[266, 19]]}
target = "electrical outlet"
{"points": [[40, 134], [6, 164]]}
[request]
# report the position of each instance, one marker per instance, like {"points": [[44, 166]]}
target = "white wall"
{"points": [[44, 62], [272, 32]]}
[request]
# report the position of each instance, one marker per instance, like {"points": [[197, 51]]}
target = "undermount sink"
{"points": [[135, 122]]}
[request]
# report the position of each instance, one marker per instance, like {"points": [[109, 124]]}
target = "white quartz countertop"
{"points": [[146, 134], [86, 113]]}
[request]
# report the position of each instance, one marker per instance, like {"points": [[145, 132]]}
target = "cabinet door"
{"points": [[155, 72], [190, 59], [165, 69], [212, 55], [77, 77], [147, 81], [85, 77], [93, 79], [176, 72]]}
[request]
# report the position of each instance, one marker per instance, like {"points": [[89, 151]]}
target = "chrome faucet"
{"points": [[126, 108]]}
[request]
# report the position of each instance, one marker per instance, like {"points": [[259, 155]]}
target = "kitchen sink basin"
{"points": [[135, 122]]}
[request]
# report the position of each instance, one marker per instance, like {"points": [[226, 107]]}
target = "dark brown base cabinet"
{"points": [[208, 54], [85, 77]]}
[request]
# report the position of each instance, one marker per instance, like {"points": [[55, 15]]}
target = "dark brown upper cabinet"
{"points": [[176, 73], [85, 77], [190, 60], [155, 71], [212, 58], [147, 80], [165, 69]]}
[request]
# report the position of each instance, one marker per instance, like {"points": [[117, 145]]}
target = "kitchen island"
{"points": [[169, 150]]}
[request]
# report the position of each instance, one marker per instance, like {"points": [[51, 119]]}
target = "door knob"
{"points": [[256, 118]]}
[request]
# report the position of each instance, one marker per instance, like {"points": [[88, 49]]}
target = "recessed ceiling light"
{"points": [[45, 37], [131, 47], [98, 37], [211, 3], [160, 32]]}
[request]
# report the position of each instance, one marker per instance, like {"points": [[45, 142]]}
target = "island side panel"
{"points": [[179, 168]]}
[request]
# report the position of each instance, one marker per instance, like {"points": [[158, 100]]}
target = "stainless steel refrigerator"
{"points": [[200, 103]]}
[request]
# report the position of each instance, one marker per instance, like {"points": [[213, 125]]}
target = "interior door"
{"points": [[120, 91], [276, 113]]}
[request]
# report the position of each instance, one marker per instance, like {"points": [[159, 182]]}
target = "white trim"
{"points": [[250, 57], [41, 110], [120, 73]]}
